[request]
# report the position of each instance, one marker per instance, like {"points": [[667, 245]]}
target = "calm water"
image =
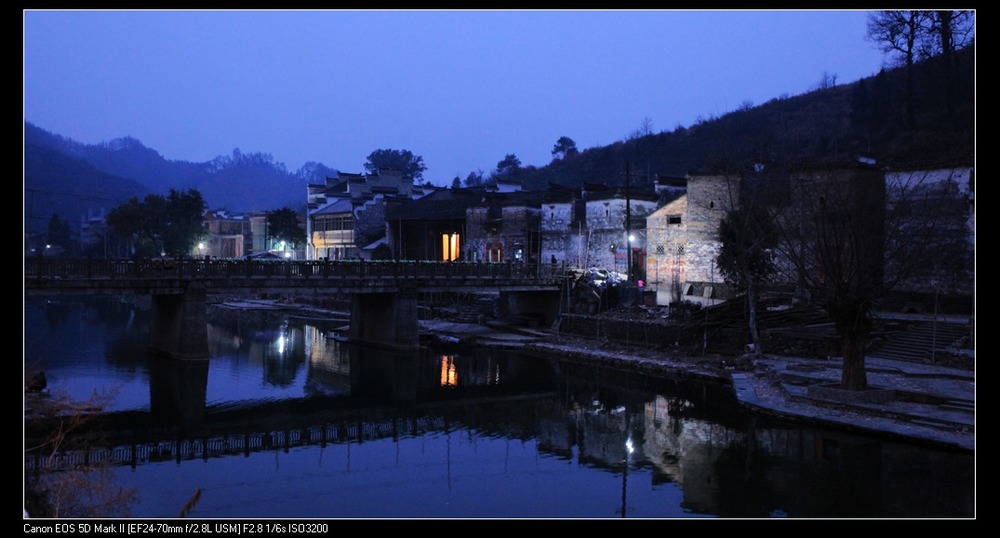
{"points": [[285, 422]]}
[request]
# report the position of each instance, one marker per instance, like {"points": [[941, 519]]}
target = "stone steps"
{"points": [[918, 340]]}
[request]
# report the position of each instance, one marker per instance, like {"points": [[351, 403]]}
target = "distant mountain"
{"points": [[125, 157], [65, 169], [58, 184]]}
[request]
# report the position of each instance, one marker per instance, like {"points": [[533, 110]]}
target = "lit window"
{"points": [[450, 247]]}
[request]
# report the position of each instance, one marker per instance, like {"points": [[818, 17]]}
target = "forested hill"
{"points": [[867, 117]]}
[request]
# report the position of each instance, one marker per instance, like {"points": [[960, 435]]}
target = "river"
{"points": [[287, 421]]}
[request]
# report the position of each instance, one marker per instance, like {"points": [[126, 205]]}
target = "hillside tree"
{"points": [[183, 226], [564, 147], [508, 166], [396, 159], [59, 232], [475, 179], [283, 225], [160, 225]]}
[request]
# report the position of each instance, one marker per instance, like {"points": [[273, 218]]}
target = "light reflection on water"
{"points": [[463, 434]]}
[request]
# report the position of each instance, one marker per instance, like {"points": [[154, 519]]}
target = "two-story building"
{"points": [[432, 227], [347, 214], [227, 235], [683, 240], [588, 227]]}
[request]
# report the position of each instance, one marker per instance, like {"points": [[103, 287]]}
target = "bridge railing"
{"points": [[160, 268]]}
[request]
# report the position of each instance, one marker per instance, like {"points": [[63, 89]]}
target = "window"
{"points": [[494, 252], [660, 249], [673, 219], [326, 223], [450, 247]]}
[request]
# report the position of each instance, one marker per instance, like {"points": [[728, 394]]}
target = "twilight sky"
{"points": [[462, 89]]}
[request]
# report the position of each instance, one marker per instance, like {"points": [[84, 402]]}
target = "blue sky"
{"points": [[461, 89]]}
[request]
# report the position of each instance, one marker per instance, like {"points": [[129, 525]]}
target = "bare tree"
{"points": [[901, 32], [947, 32], [826, 81], [645, 129], [747, 236], [853, 236]]}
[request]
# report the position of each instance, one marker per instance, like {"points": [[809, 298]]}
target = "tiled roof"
{"points": [[340, 205], [452, 203]]}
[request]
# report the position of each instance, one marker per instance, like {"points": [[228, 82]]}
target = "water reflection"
{"points": [[287, 421], [177, 392]]}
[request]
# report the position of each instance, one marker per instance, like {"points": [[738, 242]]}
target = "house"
{"points": [[330, 234], [946, 197], [227, 235], [683, 241], [934, 204], [347, 213], [504, 227], [432, 227], [562, 226], [587, 227]]}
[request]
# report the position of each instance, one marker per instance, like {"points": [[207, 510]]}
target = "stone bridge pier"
{"points": [[179, 327], [385, 319]]}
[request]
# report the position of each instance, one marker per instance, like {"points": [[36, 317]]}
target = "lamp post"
{"points": [[267, 246]]}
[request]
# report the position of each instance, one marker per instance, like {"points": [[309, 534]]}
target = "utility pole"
{"points": [[628, 219]]}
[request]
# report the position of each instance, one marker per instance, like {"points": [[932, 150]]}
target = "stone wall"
{"points": [[588, 243], [708, 200], [370, 223]]}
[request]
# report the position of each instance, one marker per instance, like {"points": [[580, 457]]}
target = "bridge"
{"points": [[384, 293]]}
